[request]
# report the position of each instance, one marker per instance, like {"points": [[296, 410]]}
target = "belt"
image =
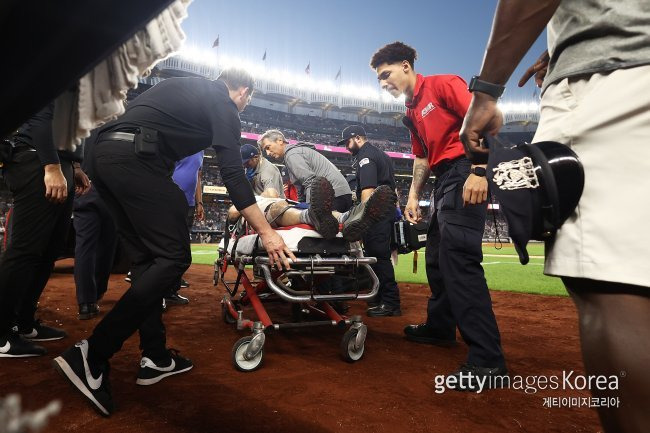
{"points": [[119, 136]]}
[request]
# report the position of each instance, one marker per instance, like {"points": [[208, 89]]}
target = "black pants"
{"points": [[38, 231], [191, 210], [342, 203], [459, 293], [376, 243], [96, 240], [150, 212]]}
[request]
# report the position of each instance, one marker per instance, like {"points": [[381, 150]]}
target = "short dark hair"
{"points": [[236, 78], [394, 53]]}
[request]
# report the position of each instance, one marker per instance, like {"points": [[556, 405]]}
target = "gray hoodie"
{"points": [[304, 163]]}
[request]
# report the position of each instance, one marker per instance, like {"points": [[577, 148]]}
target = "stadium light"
{"points": [[285, 78]]}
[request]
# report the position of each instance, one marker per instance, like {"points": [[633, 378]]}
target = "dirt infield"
{"points": [[304, 386]]}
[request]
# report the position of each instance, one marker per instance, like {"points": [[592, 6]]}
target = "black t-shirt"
{"points": [[374, 168], [190, 115]]}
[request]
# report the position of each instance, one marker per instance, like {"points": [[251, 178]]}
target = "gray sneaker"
{"points": [[362, 216], [320, 208]]}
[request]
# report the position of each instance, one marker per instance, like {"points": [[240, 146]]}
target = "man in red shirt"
{"points": [[436, 106]]}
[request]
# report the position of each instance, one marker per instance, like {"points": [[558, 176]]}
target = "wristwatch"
{"points": [[478, 171], [494, 90]]}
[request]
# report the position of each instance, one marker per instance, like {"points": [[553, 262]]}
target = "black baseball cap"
{"points": [[349, 132], [537, 185], [248, 151]]}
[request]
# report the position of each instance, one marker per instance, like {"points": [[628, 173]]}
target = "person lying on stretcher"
{"points": [[320, 215]]}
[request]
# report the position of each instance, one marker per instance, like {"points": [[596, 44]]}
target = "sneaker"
{"points": [[128, 277], [73, 365], [474, 378], [320, 208], [13, 345], [384, 310], [88, 311], [176, 299], [422, 333], [151, 373], [364, 215], [184, 284], [40, 332], [164, 305]]}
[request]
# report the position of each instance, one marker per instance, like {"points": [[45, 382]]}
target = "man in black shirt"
{"points": [[375, 168], [133, 159], [42, 182]]}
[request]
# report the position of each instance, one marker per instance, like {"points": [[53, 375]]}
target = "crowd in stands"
{"points": [[320, 130]]}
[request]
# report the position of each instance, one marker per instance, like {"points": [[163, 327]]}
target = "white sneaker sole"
{"points": [[44, 339], [161, 377], [62, 366], [24, 355]]}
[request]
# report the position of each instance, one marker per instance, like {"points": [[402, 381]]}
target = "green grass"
{"points": [[204, 254], [502, 273]]}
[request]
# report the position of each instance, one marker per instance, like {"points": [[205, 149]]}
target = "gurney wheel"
{"points": [[241, 363], [225, 314], [349, 349]]}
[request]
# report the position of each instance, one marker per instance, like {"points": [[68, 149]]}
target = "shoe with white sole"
{"points": [[73, 365], [40, 332], [13, 345], [151, 373]]}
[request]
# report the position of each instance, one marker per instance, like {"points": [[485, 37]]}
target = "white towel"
{"points": [[100, 94]]}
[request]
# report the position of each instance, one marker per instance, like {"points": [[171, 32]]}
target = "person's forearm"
{"points": [[366, 193], [198, 194], [517, 24], [421, 174]]}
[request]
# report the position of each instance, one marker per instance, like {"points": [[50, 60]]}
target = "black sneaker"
{"points": [[128, 277], [40, 332], [320, 208], [88, 311], [361, 217], [474, 378], [13, 345], [184, 284], [384, 310], [73, 365], [422, 333], [151, 373], [176, 299]]}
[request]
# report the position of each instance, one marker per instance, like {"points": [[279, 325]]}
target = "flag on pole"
{"points": [[264, 56], [308, 68], [338, 74], [216, 42]]}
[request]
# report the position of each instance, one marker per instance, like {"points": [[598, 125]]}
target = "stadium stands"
{"points": [[318, 123]]}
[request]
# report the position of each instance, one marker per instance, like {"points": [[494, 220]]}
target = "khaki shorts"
{"points": [[605, 119], [264, 202]]}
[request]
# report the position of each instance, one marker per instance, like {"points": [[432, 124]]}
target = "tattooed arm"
{"points": [[421, 174]]}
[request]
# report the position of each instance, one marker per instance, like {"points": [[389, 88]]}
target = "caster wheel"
{"points": [[239, 355], [353, 344], [225, 313]]}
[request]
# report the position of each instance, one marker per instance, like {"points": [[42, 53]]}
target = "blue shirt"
{"points": [[185, 175]]}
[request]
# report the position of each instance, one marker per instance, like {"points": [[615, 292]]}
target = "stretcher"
{"points": [[318, 260]]}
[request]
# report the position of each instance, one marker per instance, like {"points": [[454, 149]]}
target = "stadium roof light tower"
{"points": [[287, 86]]}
